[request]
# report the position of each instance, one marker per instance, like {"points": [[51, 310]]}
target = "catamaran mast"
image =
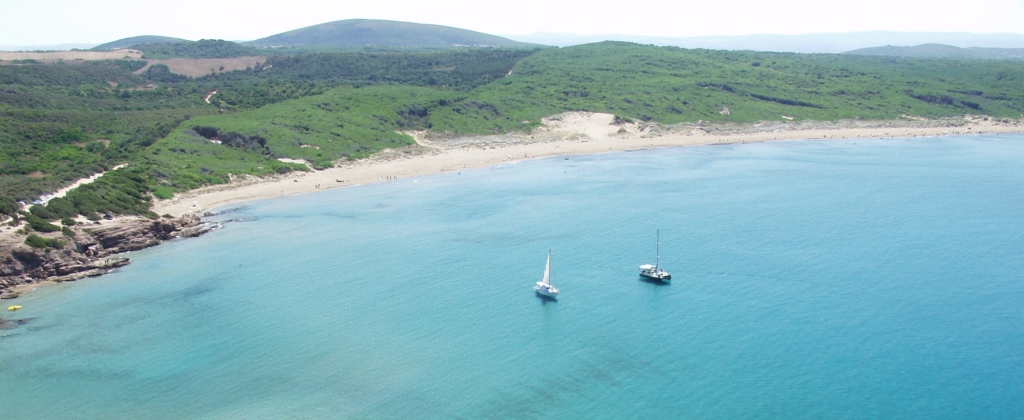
{"points": [[657, 253]]}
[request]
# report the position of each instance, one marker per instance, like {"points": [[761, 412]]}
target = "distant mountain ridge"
{"points": [[943, 51], [367, 33], [358, 33], [138, 40], [809, 43]]}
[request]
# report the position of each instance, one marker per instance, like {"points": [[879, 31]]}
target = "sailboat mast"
{"points": [[547, 270], [657, 253]]}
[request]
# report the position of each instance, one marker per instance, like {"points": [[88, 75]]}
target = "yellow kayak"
{"points": [[14, 308]]}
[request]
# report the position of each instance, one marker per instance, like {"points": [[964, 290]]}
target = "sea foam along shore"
{"points": [[573, 133]]}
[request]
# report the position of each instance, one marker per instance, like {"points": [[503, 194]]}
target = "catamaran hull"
{"points": [[666, 279]]}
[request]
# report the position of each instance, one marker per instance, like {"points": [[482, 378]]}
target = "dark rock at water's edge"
{"points": [[90, 251]]}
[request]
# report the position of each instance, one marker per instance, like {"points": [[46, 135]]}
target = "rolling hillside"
{"points": [[807, 43], [943, 52], [669, 85], [137, 40], [360, 33], [203, 48]]}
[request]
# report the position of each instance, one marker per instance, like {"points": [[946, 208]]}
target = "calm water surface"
{"points": [[840, 279]]}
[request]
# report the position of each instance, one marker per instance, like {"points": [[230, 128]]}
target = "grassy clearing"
{"points": [[344, 123]]}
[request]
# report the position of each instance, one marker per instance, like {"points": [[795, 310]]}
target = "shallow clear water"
{"points": [[839, 279]]}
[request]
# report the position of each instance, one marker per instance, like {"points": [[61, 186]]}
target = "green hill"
{"points": [[136, 40], [361, 33], [669, 85], [942, 51], [203, 48]]}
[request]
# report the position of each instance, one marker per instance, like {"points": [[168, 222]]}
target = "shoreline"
{"points": [[573, 133], [97, 249]]}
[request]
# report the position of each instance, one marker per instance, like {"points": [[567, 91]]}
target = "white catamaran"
{"points": [[544, 287], [654, 272]]}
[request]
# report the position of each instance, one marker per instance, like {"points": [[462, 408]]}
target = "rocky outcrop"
{"points": [[197, 230], [90, 252]]}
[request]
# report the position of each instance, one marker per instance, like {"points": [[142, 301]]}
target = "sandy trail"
{"points": [[567, 134], [8, 237], [64, 191]]}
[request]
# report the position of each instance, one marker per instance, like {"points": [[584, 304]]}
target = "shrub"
{"points": [[619, 120], [163, 192], [41, 212], [40, 225], [36, 241], [161, 73], [67, 221], [95, 147], [67, 232], [8, 206], [61, 208]]}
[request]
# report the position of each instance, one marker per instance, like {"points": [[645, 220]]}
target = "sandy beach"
{"points": [[574, 133]]}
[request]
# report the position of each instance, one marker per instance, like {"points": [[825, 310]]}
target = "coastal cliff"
{"points": [[90, 252]]}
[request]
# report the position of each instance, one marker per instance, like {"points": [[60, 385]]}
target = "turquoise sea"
{"points": [[812, 279]]}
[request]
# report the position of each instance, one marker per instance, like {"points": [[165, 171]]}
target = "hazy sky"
{"points": [[47, 22]]}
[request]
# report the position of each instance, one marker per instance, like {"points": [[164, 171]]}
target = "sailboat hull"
{"points": [[545, 290], [544, 287]]}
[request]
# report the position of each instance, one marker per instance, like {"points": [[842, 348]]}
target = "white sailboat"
{"points": [[544, 287], [654, 272]]}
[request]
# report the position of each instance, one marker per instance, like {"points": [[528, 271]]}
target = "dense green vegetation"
{"points": [[36, 241], [60, 122], [344, 123], [203, 48], [310, 74], [63, 122], [668, 85]]}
